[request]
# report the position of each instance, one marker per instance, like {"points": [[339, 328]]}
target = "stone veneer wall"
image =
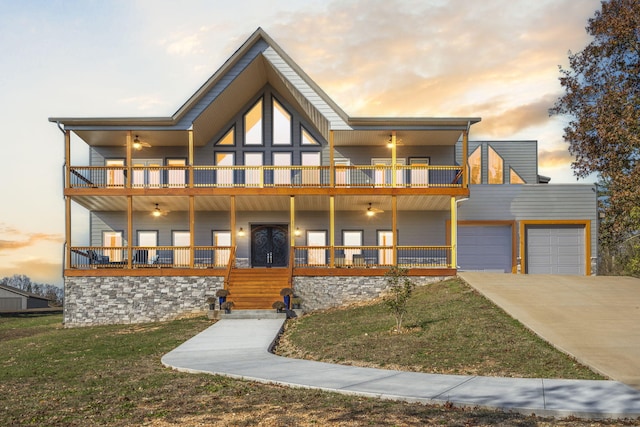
{"points": [[92, 301], [321, 292]]}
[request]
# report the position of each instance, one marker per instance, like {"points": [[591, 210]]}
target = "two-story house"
{"points": [[260, 182]]}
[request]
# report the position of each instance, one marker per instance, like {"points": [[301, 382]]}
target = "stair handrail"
{"points": [[232, 261], [290, 274]]}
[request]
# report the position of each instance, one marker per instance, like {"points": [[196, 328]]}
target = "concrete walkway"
{"points": [[595, 319], [239, 348]]}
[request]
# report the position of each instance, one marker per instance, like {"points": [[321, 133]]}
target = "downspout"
{"points": [[64, 166]]}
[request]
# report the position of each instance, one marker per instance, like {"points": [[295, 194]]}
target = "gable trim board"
{"points": [[499, 240], [525, 243]]}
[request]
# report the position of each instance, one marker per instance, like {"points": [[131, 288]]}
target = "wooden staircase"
{"points": [[256, 288]]}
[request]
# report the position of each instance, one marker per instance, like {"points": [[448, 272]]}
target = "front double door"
{"points": [[269, 245]]}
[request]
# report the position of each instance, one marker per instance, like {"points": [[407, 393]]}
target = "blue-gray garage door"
{"points": [[555, 249], [484, 248]]}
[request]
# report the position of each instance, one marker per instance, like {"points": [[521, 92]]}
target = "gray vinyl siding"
{"points": [[414, 228], [532, 202], [438, 155], [522, 156], [337, 123]]}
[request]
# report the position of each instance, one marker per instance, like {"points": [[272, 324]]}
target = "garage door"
{"points": [[555, 249], [484, 248]]}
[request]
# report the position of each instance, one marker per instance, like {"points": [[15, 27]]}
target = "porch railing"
{"points": [[400, 176], [150, 257], [222, 257], [373, 256]]}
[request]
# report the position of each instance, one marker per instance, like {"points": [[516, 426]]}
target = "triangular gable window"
{"points": [[495, 167], [307, 139], [228, 139], [475, 166], [514, 178]]}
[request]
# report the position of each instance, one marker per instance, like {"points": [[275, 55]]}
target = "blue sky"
{"points": [[497, 59]]}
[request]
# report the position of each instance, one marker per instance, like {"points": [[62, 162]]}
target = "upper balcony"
{"points": [[339, 176]]}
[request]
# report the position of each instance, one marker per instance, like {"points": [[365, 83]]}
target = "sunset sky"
{"points": [[496, 59]]}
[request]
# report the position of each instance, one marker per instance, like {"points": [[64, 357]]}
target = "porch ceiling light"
{"points": [[371, 211], [138, 145], [156, 212]]}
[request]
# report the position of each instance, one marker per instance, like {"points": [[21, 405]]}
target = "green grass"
{"points": [[449, 329], [112, 375]]}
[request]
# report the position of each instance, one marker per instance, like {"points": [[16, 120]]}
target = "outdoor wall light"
{"points": [[298, 232], [241, 232]]}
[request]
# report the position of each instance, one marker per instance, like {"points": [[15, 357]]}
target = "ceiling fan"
{"points": [[139, 145], [371, 211], [390, 141], [157, 212]]}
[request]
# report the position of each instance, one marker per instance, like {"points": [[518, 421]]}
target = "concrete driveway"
{"points": [[595, 319]]}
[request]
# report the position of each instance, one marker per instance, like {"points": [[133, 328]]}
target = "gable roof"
{"points": [[258, 62], [23, 293]]}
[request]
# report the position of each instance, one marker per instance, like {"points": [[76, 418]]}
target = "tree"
{"points": [[602, 100], [400, 290]]}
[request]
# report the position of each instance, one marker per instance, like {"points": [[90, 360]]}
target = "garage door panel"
{"points": [[555, 249], [484, 248]]}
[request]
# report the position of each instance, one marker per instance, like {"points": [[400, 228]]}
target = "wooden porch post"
{"points": [[232, 220], [332, 178], [394, 178], [465, 158], [190, 132], [292, 220], [67, 231], [129, 179], [394, 228], [129, 220], [454, 233], [192, 230], [67, 158], [332, 229]]}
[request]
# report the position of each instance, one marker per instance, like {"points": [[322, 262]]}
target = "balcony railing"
{"points": [[90, 257], [400, 176]]}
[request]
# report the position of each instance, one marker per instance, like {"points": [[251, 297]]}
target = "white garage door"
{"points": [[555, 249], [484, 248]]}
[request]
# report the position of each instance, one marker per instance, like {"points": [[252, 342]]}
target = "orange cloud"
{"points": [[38, 270], [31, 240], [554, 158]]}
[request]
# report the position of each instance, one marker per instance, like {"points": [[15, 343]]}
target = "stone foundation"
{"points": [[322, 292], [93, 301]]}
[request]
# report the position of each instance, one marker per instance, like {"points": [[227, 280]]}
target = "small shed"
{"points": [[13, 299]]}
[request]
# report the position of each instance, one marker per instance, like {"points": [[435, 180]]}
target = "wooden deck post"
{"points": [[190, 134], [332, 169], [129, 221], [129, 180], [394, 228], [192, 230], [465, 158], [332, 229], [394, 158], [67, 231], [232, 220], [454, 233]]}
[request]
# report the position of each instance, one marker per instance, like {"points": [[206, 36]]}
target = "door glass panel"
{"points": [[112, 239], [182, 252], [384, 172], [253, 173], [282, 176], [222, 238], [385, 256], [419, 175], [311, 176], [224, 176], [115, 177], [317, 256], [177, 177], [146, 172], [147, 239], [351, 238]]}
